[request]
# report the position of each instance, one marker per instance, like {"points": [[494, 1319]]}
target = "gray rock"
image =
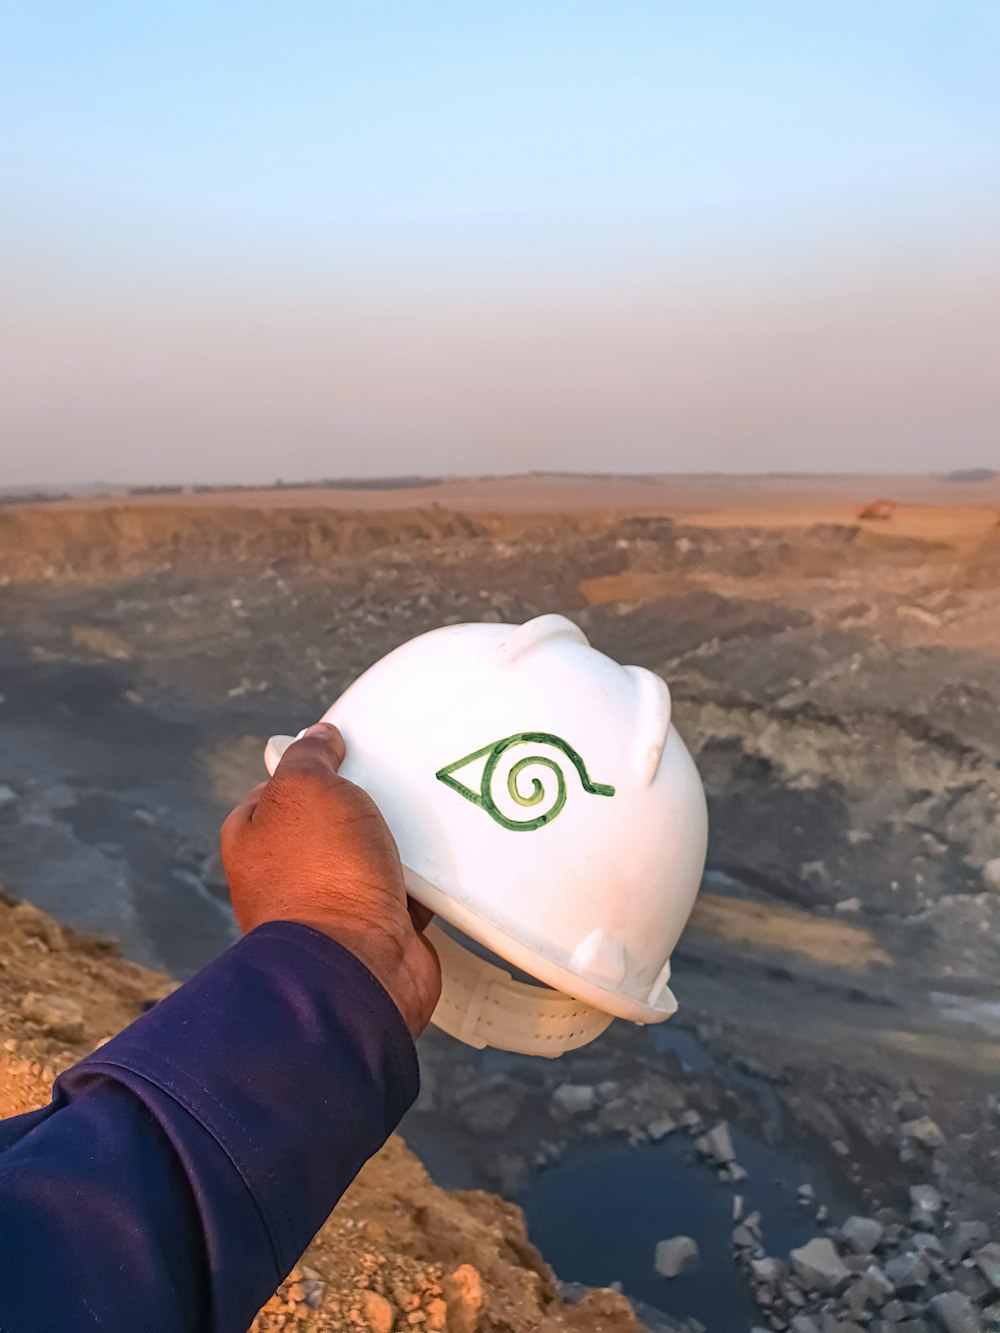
{"points": [[313, 1291], [659, 1129], [926, 1197], [925, 1204], [573, 1098], [490, 1107], [954, 1313], [927, 1243], [717, 1144], [803, 1323], [54, 1014], [765, 1295], [7, 795], [617, 1115], [862, 1234], [923, 1130], [908, 1272], [508, 1172], [963, 1239], [988, 1261], [733, 1173], [970, 1282], [677, 1255], [806, 1194], [878, 1285], [744, 1237], [793, 1295], [818, 1266], [691, 1121], [769, 1269], [856, 1297], [849, 905], [991, 874], [872, 1289], [39, 925]]}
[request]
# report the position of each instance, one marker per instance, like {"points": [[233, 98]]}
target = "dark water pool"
{"points": [[598, 1214]]}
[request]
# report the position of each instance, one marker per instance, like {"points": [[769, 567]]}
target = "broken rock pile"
{"points": [[890, 1273]]}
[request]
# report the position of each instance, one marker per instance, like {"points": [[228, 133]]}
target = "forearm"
{"points": [[183, 1167]]}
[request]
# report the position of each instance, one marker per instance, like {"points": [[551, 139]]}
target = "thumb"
{"points": [[276, 746], [319, 751]]}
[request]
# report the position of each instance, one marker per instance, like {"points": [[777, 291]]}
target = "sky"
{"points": [[249, 241]]}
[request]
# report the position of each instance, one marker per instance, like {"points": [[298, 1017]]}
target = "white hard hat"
{"points": [[545, 808]]}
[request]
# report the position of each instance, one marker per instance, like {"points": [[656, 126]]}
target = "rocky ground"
{"points": [[840, 1007]]}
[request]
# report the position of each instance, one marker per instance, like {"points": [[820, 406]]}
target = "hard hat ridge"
{"points": [[652, 723]]}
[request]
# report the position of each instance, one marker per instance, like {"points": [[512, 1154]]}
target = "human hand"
{"points": [[311, 847]]}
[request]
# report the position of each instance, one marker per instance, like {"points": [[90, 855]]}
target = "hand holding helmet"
{"points": [[311, 847]]}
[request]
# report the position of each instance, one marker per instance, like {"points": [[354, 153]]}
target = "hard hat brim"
{"points": [[535, 962]]}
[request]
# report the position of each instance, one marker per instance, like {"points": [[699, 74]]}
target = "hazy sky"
{"points": [[243, 241]]}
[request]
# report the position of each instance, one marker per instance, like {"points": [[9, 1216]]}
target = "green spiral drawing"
{"points": [[533, 795]]}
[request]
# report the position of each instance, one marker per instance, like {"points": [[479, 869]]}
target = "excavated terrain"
{"points": [[838, 685]]}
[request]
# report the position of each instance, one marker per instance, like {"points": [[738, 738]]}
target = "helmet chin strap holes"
{"points": [[483, 1005]]}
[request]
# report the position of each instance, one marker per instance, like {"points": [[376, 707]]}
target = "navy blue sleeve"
{"points": [[181, 1170]]}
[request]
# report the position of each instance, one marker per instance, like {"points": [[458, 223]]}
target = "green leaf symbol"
{"points": [[529, 796]]}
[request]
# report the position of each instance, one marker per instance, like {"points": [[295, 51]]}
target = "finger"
{"points": [[420, 915], [320, 750]]}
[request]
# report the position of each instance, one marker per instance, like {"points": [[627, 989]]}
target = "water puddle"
{"points": [[598, 1214]]}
